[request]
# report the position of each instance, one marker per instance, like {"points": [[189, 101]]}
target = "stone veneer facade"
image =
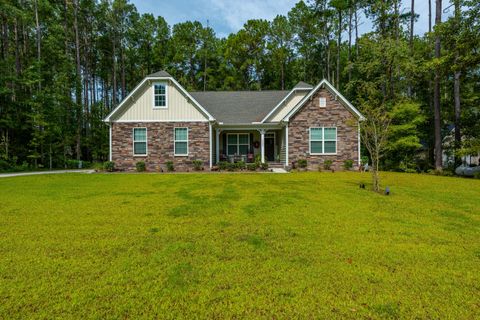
{"points": [[159, 145], [334, 115]]}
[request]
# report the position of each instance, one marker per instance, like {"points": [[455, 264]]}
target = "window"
{"points": [[323, 140], [139, 141], [159, 95], [238, 143], [181, 142], [323, 102]]}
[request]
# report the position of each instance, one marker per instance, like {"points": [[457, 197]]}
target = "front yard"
{"points": [[300, 245]]}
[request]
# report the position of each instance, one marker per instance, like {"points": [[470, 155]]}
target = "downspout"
{"points": [[110, 141], [286, 145], [359, 156], [210, 143]]}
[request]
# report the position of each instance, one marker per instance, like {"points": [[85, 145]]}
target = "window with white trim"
{"points": [[159, 95], [139, 141], [180, 142], [238, 143], [323, 102], [323, 140]]}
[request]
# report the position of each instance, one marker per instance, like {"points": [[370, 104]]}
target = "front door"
{"points": [[270, 146]]}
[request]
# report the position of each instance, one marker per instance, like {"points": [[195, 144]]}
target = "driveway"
{"points": [[17, 174]]}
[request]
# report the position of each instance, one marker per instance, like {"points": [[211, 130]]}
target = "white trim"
{"points": [[174, 141], [154, 83], [182, 89], [110, 142], [238, 144], [286, 144], [282, 102], [323, 153], [210, 144], [335, 92], [133, 142], [136, 121]]}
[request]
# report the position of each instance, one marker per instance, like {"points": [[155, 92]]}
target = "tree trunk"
{"points": [[356, 31], [350, 14], [339, 46], [78, 82], [122, 66], [436, 94], [456, 93], [412, 22]]}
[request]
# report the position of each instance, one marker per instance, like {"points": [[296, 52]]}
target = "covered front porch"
{"points": [[248, 143]]}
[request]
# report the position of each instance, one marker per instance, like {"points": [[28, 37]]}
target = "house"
{"points": [[160, 121]]}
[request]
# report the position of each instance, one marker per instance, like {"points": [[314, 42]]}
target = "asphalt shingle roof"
{"points": [[239, 106], [161, 73]]}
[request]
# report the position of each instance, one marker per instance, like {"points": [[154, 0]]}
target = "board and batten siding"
{"points": [[288, 105], [140, 106]]}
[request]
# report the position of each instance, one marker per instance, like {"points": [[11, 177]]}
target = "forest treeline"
{"points": [[65, 64]]}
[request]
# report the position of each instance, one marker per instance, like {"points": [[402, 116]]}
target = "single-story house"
{"points": [[160, 121]]}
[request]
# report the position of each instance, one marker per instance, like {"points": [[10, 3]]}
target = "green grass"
{"points": [[301, 245]]}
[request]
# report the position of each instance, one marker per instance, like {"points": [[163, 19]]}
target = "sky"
{"points": [[227, 16]]}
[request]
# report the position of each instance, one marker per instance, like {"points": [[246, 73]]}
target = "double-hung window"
{"points": [[238, 143], [139, 141], [159, 95], [181, 142], [323, 140]]}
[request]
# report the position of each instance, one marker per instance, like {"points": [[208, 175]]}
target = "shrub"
{"points": [[240, 165], [231, 166], [476, 175], [140, 165], [97, 166], [302, 163], [410, 171], [348, 164], [4, 165], [197, 165], [109, 166], [72, 164], [170, 166], [222, 165], [264, 166], [327, 164], [252, 166], [363, 160]]}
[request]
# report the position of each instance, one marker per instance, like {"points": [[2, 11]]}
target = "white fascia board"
{"points": [[185, 92], [334, 91]]}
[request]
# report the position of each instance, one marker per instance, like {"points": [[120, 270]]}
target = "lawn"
{"points": [[300, 245]]}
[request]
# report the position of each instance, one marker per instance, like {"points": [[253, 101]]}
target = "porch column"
{"points": [[262, 143], [217, 144]]}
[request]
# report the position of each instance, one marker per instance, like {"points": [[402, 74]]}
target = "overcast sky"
{"points": [[227, 16]]}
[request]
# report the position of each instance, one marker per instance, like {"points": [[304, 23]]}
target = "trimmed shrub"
{"points": [[363, 160], [109, 166], [240, 165], [476, 175], [231, 166], [197, 165], [348, 164], [302, 163], [327, 164], [252, 166], [222, 165], [170, 166], [264, 166], [140, 165]]}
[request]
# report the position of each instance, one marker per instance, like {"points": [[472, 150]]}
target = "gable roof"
{"points": [[239, 106], [303, 85], [328, 86], [160, 75]]}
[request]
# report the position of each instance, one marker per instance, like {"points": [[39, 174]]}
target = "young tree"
{"points": [[436, 94]]}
